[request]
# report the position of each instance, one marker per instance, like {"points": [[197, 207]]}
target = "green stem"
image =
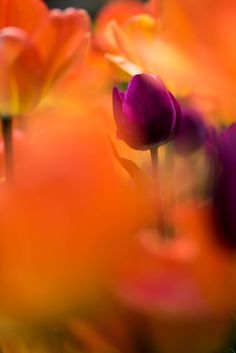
{"points": [[7, 129], [157, 192]]}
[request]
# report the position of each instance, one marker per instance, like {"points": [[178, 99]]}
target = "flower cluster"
{"points": [[117, 177]]}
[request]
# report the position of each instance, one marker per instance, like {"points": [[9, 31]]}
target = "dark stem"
{"points": [[157, 191], [7, 129]]}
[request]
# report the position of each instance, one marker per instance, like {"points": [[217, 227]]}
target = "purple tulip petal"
{"points": [[176, 123], [193, 132], [225, 191], [149, 113], [146, 98]]}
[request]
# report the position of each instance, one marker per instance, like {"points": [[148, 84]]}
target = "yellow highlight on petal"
{"points": [[144, 23]]}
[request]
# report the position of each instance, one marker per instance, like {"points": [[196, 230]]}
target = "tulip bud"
{"points": [[147, 115]]}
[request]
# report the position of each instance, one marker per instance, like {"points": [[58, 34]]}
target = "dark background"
{"points": [[90, 5]]}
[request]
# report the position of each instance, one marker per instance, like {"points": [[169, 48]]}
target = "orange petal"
{"points": [[155, 7], [122, 42], [142, 31], [20, 74], [62, 40], [144, 25], [205, 30], [122, 67], [120, 11], [27, 15]]}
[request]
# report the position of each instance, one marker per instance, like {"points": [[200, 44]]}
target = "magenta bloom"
{"points": [[146, 114], [225, 189]]}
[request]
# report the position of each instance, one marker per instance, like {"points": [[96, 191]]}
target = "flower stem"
{"points": [[7, 128], [157, 192]]}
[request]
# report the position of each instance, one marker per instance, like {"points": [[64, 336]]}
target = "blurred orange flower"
{"points": [[134, 43], [171, 41], [36, 47], [181, 288], [120, 11], [60, 219], [206, 32], [174, 277]]}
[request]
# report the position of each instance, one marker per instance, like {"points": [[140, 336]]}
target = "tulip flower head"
{"points": [[36, 47], [147, 115], [20, 72]]}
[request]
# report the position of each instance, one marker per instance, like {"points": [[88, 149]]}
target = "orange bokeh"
{"points": [[67, 207], [173, 278], [205, 32]]}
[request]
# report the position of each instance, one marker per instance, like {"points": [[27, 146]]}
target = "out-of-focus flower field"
{"points": [[118, 177]]}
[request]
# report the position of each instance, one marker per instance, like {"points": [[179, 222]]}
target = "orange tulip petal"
{"points": [[21, 73], [142, 31], [27, 14], [155, 7], [121, 42], [120, 11], [205, 30], [62, 40]]}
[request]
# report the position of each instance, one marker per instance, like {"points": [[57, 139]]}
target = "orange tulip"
{"points": [[36, 47], [135, 44], [119, 10], [191, 62]]}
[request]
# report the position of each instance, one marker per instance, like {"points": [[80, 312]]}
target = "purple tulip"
{"points": [[146, 114], [193, 132], [225, 190]]}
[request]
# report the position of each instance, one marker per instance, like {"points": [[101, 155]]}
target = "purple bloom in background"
{"points": [[147, 114], [225, 190], [192, 133]]}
